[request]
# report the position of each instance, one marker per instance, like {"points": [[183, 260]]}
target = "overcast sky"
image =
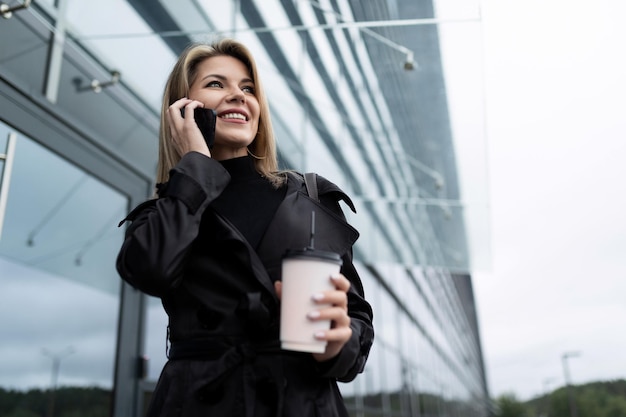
{"points": [[556, 129]]}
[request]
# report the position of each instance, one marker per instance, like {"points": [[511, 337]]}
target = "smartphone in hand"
{"points": [[205, 119]]}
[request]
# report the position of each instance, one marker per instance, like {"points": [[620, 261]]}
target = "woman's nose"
{"points": [[236, 95]]}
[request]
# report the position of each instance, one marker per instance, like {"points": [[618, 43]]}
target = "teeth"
{"points": [[233, 116]]}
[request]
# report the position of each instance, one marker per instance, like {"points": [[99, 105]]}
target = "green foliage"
{"points": [[67, 402], [508, 406], [596, 399]]}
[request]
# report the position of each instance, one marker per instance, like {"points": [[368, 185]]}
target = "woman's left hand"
{"points": [[334, 307]]}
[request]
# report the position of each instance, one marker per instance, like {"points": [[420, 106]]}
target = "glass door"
{"points": [[59, 291]]}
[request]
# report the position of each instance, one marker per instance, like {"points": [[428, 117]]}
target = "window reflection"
{"points": [[107, 27], [156, 337], [410, 371], [60, 291]]}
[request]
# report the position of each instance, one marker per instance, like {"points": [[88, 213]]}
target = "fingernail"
{"points": [[318, 297], [335, 277], [313, 314], [320, 335]]}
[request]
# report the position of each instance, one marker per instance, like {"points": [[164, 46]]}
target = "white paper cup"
{"points": [[305, 273]]}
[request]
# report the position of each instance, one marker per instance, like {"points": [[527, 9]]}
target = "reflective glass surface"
{"points": [[383, 98], [60, 292], [416, 366]]}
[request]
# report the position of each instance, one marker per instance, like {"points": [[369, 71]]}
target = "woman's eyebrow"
{"points": [[218, 76], [224, 78]]}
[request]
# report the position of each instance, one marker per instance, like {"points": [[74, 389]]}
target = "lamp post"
{"points": [[547, 394], [546, 384], [56, 364], [570, 392]]}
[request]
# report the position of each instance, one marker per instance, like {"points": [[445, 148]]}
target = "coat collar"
{"points": [[332, 232]]}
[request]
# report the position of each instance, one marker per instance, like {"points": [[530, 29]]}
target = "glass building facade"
{"points": [[382, 97]]}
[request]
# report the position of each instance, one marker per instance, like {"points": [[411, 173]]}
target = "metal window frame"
{"points": [[5, 178]]}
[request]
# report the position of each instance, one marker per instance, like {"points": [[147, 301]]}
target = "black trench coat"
{"points": [[224, 357]]}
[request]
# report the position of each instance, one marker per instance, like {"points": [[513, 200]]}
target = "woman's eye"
{"points": [[248, 89], [214, 84]]}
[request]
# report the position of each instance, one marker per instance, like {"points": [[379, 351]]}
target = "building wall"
{"points": [[80, 159]]}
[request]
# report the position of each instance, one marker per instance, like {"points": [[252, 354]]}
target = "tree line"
{"points": [[62, 402], [595, 399]]}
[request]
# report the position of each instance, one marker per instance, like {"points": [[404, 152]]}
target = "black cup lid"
{"points": [[313, 253]]}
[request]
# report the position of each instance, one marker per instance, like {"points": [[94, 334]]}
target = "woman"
{"points": [[210, 247]]}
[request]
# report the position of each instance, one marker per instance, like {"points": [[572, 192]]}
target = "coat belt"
{"points": [[210, 350], [227, 361]]}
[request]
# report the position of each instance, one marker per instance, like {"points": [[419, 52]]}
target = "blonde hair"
{"points": [[184, 73]]}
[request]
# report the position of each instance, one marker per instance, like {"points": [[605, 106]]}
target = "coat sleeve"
{"points": [[352, 358], [162, 231]]}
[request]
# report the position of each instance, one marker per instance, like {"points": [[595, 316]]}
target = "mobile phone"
{"points": [[205, 119]]}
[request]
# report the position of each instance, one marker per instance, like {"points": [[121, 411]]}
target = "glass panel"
{"points": [[60, 291], [4, 139], [156, 336], [457, 10], [98, 25], [23, 53], [463, 69]]}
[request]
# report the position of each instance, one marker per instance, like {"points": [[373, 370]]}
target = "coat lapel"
{"points": [[291, 229], [256, 265]]}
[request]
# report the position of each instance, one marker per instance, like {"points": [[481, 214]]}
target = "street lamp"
{"points": [[546, 384], [570, 392], [546, 393], [56, 364]]}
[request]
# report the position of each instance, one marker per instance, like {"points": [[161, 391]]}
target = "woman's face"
{"points": [[224, 84]]}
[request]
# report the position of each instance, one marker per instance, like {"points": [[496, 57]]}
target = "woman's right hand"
{"points": [[184, 131]]}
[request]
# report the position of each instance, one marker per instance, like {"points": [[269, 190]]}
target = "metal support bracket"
{"points": [[95, 85], [6, 11]]}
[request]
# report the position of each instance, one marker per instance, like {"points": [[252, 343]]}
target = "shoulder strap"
{"points": [[310, 181]]}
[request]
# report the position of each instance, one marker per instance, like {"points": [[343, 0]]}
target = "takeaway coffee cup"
{"points": [[304, 273]]}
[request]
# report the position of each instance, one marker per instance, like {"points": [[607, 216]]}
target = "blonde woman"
{"points": [[210, 245]]}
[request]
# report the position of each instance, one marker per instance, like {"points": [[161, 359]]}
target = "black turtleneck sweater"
{"points": [[249, 201]]}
